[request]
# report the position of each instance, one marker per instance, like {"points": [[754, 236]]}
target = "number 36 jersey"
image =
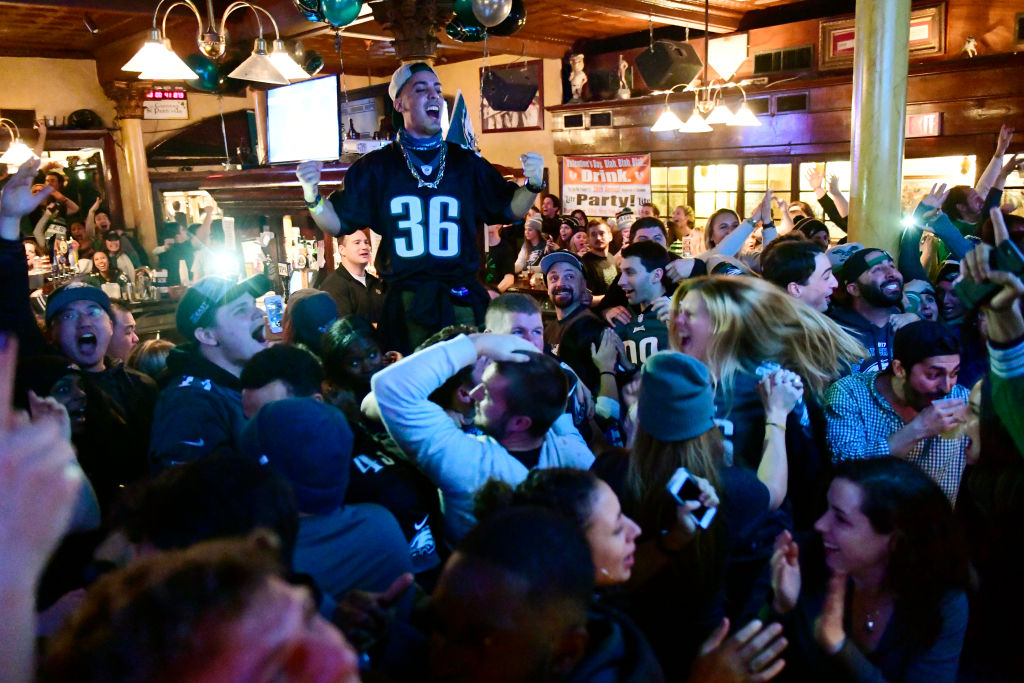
{"points": [[643, 336], [426, 233]]}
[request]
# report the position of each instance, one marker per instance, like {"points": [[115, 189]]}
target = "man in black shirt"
{"points": [[427, 198], [500, 265], [575, 327], [598, 264], [355, 291]]}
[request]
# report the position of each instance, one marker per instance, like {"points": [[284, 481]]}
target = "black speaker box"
{"points": [[510, 89], [668, 63]]}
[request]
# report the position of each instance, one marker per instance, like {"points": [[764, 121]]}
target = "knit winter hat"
{"points": [[309, 443], [676, 401]]}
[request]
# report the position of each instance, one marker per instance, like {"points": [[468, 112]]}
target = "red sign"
{"points": [[924, 125]]}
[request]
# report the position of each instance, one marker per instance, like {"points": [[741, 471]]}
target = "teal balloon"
{"points": [[341, 12], [515, 20], [209, 74], [464, 12], [459, 31]]}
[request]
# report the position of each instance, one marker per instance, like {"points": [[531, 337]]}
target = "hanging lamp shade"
{"points": [[720, 114], [667, 121], [166, 66], [258, 67], [148, 55], [17, 154], [744, 117], [695, 124], [284, 63]]}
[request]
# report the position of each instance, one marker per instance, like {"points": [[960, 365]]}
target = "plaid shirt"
{"points": [[861, 420]]}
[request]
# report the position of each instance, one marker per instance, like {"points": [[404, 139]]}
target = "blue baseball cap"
{"points": [[72, 292]]}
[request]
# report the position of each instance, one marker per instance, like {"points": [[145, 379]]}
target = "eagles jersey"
{"points": [[425, 233], [643, 336]]}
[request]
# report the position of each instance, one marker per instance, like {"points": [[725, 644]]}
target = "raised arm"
{"points": [[16, 201], [988, 177], [322, 211], [779, 393], [533, 170], [90, 218]]}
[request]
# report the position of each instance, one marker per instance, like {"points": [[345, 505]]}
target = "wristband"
{"points": [[313, 205], [775, 424], [536, 189], [607, 372]]}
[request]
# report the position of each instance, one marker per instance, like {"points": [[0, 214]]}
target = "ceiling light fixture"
{"points": [[157, 61], [18, 152], [708, 100]]}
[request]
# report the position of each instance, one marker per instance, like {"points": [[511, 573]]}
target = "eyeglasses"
{"points": [[72, 315]]}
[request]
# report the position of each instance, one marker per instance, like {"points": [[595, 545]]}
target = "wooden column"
{"points": [[128, 97], [879, 112]]}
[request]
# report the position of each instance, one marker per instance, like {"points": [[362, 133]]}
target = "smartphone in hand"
{"points": [[684, 489]]}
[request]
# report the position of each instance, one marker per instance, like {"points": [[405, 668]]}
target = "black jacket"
{"points": [[877, 340], [617, 651], [352, 297], [199, 410]]}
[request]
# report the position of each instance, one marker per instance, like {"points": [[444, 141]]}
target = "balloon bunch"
{"points": [[337, 13], [474, 20]]}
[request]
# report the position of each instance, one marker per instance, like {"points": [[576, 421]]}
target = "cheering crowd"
{"points": [[735, 453]]}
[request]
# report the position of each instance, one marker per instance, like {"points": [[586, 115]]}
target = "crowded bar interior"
{"points": [[750, 257]]}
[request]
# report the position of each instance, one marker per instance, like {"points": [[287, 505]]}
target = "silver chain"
{"points": [[420, 182]]}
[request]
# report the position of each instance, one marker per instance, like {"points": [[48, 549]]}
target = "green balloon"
{"points": [[459, 31], [209, 75], [464, 12], [341, 12]]}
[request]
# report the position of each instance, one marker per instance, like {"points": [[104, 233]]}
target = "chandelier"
{"points": [[156, 61], [708, 100], [18, 152]]}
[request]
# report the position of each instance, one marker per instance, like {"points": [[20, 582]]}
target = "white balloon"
{"points": [[491, 12]]}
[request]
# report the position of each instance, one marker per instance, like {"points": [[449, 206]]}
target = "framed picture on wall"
{"points": [[838, 37], [513, 97]]}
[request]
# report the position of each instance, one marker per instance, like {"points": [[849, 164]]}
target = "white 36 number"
{"points": [[442, 230]]}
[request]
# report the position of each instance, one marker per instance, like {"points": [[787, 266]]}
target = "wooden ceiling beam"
{"points": [[671, 12]]}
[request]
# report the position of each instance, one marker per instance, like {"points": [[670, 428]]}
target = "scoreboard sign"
{"points": [[165, 102]]}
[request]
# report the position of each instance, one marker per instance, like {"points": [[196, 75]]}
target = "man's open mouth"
{"points": [[87, 343]]}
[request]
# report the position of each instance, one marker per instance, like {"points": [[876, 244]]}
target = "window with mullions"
{"points": [[669, 186], [759, 178], [715, 186]]}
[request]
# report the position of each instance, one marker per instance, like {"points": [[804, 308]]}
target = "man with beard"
{"points": [[914, 410], [355, 291], [575, 327], [200, 408], [875, 287], [520, 407]]}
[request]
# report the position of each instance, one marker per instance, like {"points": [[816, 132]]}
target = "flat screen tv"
{"points": [[302, 121]]}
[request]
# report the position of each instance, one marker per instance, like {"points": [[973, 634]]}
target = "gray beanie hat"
{"points": [[676, 401]]}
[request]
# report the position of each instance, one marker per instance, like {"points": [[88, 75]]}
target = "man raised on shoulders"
{"points": [[427, 198]]}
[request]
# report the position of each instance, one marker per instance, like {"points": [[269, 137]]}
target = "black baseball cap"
{"points": [[202, 300]]}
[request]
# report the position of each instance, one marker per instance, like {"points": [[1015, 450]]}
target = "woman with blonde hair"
{"points": [[743, 328]]}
